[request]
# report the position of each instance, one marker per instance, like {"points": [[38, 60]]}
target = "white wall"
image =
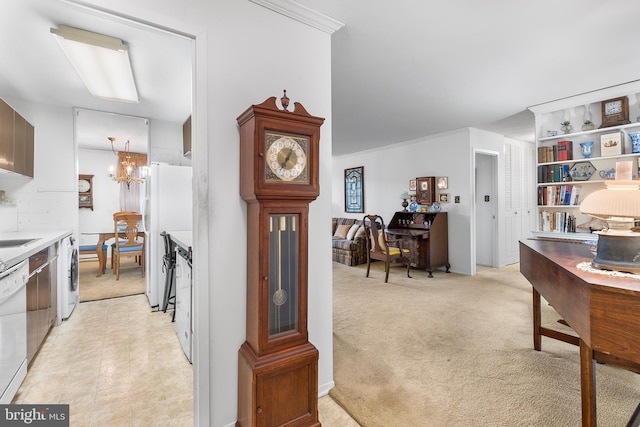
{"points": [[106, 193], [49, 201], [240, 51], [165, 143]]}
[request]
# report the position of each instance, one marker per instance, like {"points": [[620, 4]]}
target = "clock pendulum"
{"points": [[279, 168], [280, 296]]}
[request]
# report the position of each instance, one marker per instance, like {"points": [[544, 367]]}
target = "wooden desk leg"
{"points": [[537, 338], [102, 262], [587, 385]]}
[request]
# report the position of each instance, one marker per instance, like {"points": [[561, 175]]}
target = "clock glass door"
{"points": [[284, 267]]}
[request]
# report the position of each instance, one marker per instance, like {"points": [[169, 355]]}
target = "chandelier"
{"points": [[127, 166]]}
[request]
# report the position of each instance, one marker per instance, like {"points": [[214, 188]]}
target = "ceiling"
{"points": [[400, 70], [409, 68], [163, 76]]}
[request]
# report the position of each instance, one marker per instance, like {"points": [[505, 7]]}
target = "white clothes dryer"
{"points": [[67, 278]]}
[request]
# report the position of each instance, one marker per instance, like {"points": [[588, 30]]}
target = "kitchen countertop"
{"points": [[13, 255], [182, 238]]}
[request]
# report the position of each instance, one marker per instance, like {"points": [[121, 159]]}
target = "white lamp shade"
{"points": [[619, 199]]}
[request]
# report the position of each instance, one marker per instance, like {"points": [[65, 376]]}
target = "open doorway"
{"points": [[486, 166], [101, 137]]}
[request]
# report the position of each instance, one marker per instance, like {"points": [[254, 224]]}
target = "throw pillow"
{"points": [[381, 240], [352, 231], [360, 232], [341, 231]]}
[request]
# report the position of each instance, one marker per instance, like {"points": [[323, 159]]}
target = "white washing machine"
{"points": [[67, 278]]}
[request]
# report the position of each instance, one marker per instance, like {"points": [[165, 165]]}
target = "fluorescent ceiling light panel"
{"points": [[102, 62]]}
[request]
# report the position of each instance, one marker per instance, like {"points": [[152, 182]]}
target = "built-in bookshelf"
{"points": [[567, 172]]}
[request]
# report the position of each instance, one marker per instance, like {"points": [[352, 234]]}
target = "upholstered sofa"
{"points": [[348, 244]]}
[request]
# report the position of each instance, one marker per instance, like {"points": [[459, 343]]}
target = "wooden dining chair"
{"points": [[129, 241], [380, 248], [117, 214]]}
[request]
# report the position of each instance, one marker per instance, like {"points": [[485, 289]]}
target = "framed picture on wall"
{"points": [[354, 190], [443, 183]]}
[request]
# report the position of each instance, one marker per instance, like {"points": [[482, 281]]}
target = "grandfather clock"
{"points": [[277, 365]]}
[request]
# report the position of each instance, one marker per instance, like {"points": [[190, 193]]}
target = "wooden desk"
{"points": [[102, 237], [429, 248], [602, 310]]}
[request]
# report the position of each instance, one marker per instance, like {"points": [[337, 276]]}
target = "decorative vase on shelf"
{"points": [[635, 142], [435, 207], [585, 147], [413, 206]]}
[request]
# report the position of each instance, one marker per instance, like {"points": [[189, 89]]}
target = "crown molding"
{"points": [[302, 14]]}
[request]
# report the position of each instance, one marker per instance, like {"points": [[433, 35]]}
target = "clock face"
{"points": [[83, 185], [286, 157], [613, 107]]}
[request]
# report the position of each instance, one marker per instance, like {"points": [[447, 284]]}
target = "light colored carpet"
{"points": [[457, 350], [94, 288]]}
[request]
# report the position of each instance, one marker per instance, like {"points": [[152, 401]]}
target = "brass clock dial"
{"points": [[286, 157]]}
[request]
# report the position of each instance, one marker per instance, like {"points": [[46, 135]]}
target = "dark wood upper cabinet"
{"points": [[6, 136], [16, 141], [19, 135]]}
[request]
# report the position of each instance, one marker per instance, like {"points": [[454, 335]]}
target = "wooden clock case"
{"points": [[426, 190], [85, 198], [277, 373]]}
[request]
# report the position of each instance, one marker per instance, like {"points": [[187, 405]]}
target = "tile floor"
{"points": [[117, 363]]}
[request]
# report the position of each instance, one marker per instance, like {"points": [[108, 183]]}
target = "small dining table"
{"points": [[103, 236]]}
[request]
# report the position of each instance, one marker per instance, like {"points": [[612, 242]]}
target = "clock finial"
{"points": [[284, 100]]}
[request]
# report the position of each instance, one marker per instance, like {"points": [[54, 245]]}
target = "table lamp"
{"points": [[404, 196], [619, 205]]}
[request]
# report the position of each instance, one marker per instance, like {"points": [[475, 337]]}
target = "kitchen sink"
{"points": [[12, 243]]}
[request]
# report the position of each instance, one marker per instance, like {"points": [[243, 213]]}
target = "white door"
{"points": [[513, 201]]}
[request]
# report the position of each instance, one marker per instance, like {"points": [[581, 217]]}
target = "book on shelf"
{"points": [[575, 196], [567, 195], [542, 154], [560, 152], [558, 222], [565, 150], [558, 195], [553, 173]]}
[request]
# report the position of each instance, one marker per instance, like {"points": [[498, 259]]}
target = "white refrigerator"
{"points": [[168, 207]]}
